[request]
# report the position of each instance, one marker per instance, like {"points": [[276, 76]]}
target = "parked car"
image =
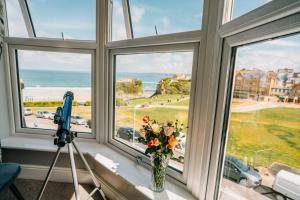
{"points": [[126, 133], [180, 148], [238, 171], [51, 116], [78, 120], [43, 114], [27, 111], [287, 184]]}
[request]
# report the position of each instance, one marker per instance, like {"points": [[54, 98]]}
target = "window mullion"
{"points": [[27, 18]]}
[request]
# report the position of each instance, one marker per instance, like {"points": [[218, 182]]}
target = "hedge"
{"points": [[46, 103]]}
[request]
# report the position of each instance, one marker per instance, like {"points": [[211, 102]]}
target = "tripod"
{"points": [[64, 136], [70, 142]]}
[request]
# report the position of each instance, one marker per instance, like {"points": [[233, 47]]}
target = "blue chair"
{"points": [[8, 174]]}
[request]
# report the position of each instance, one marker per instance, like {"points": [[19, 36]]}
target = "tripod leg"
{"points": [[86, 165], [74, 173], [96, 183], [49, 173]]}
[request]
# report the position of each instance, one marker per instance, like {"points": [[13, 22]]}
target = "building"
{"points": [[249, 83], [286, 80]]}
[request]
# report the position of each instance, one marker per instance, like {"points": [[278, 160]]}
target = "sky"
{"points": [[77, 21]]}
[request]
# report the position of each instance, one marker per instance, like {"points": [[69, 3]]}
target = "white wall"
{"points": [[4, 117]]}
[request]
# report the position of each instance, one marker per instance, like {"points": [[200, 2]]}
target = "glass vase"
{"points": [[159, 164]]}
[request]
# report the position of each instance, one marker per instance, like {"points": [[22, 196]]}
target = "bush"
{"points": [[120, 102], [170, 86], [87, 103], [46, 103], [129, 87]]}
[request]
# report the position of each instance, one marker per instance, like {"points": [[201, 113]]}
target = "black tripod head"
{"points": [[62, 118]]}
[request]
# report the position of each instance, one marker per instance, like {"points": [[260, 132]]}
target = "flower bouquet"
{"points": [[160, 140]]}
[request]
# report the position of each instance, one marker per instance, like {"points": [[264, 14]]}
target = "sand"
{"points": [[54, 93]]}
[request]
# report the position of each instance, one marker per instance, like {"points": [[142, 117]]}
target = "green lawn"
{"points": [[181, 103], [277, 129], [125, 116]]}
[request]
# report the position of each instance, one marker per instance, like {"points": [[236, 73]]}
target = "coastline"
{"points": [[81, 94]]}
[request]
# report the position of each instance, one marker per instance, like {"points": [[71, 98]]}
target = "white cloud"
{"points": [[165, 21], [177, 62], [137, 13], [118, 25], [268, 59], [41, 60], [16, 24]]}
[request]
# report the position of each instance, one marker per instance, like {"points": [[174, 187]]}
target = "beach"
{"points": [[81, 94]]}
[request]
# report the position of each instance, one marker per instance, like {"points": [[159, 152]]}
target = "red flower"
{"points": [[146, 119]]}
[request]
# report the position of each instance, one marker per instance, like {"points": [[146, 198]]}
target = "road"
{"points": [[33, 122]]}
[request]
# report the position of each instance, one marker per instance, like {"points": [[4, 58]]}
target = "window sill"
{"points": [[123, 168]]}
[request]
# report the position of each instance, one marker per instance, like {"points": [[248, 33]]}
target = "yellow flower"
{"points": [[172, 142], [156, 128]]}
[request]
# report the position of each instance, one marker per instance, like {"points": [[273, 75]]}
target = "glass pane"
{"points": [[155, 85], [16, 24], [44, 78], [162, 17], [241, 7], [263, 141], [73, 19], [118, 24]]}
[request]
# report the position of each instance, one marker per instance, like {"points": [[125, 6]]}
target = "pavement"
{"points": [[262, 105]]}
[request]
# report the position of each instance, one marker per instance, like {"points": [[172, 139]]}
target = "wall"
{"points": [[4, 116]]}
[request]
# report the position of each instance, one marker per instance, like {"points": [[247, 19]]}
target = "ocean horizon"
{"points": [[62, 79]]}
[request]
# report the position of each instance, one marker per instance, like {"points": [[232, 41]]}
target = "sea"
{"points": [[43, 78]]}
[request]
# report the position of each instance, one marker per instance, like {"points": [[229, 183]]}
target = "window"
{"points": [[153, 84], [150, 18], [118, 22], [16, 24], [64, 18], [264, 123], [241, 7], [44, 77]]}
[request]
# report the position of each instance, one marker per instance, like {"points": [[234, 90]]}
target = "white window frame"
{"points": [[190, 47], [16, 99], [281, 21], [204, 148]]}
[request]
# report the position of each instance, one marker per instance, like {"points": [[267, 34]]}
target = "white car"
{"points": [[288, 184], [43, 114], [180, 148], [78, 120], [27, 111], [51, 116]]}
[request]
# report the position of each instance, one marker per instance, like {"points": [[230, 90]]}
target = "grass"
{"points": [[125, 116], [277, 129], [181, 103], [156, 99]]}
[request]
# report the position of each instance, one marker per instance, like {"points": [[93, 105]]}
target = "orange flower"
{"points": [[172, 142], [154, 142], [146, 119]]}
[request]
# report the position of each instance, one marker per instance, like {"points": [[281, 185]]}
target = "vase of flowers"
{"points": [[161, 140]]}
